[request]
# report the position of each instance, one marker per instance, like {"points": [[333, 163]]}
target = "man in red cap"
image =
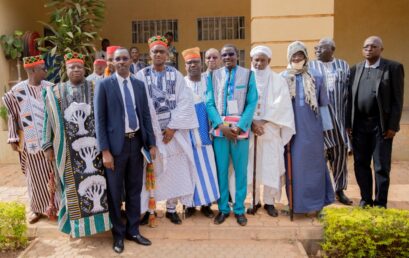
{"points": [[172, 109], [69, 139], [99, 68], [25, 114], [110, 69]]}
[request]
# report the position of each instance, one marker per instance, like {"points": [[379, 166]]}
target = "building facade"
{"points": [[245, 23]]}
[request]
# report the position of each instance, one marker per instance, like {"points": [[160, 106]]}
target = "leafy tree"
{"points": [[13, 48], [75, 25]]}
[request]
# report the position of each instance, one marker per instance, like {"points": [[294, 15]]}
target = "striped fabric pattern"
{"points": [[336, 140], [206, 185], [34, 166], [70, 221]]}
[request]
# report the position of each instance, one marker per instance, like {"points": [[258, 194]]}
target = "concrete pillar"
{"points": [[277, 23]]}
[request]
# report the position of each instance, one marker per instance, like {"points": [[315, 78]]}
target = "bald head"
{"points": [[375, 39], [372, 49], [328, 41], [324, 51], [212, 59]]}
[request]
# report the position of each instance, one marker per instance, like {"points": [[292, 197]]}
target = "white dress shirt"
{"points": [[121, 87], [375, 65]]}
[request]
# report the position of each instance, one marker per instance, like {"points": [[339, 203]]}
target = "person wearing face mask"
{"points": [[69, 139], [312, 187], [273, 124]]}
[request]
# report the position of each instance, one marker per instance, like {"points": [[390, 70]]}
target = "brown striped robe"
{"points": [[35, 166]]}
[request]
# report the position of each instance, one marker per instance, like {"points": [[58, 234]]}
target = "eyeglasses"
{"points": [[158, 52], [124, 58], [228, 54]]}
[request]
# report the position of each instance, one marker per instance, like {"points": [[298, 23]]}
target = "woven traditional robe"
{"points": [[69, 129], [26, 113], [205, 178], [171, 105]]}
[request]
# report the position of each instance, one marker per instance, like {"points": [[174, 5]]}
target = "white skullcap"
{"points": [[261, 50]]}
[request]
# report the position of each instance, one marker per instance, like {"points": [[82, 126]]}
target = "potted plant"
{"points": [[13, 48], [74, 26]]}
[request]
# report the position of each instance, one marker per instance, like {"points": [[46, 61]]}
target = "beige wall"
{"points": [[22, 15], [277, 23], [121, 13], [356, 20]]}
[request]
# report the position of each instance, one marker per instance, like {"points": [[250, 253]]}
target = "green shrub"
{"points": [[13, 227], [357, 232]]}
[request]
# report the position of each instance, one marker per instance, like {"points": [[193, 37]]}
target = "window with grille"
{"points": [[241, 59], [143, 30], [220, 28], [144, 57]]}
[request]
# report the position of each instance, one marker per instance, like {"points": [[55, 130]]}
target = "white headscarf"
{"points": [[262, 76], [261, 50]]}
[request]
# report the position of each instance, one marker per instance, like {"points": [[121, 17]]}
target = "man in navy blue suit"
{"points": [[123, 126]]}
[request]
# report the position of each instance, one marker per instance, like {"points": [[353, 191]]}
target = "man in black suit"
{"points": [[374, 111], [123, 126]]}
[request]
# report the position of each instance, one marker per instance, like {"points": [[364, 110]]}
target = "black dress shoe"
{"points": [[365, 204], [241, 219], [145, 219], [118, 246], [174, 218], [271, 210], [189, 212], [220, 218], [254, 210], [207, 211], [139, 239], [342, 198]]}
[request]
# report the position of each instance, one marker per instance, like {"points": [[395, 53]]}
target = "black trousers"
{"points": [[129, 172], [368, 143]]}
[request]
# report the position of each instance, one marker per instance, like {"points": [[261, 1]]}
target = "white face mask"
{"points": [[298, 66]]}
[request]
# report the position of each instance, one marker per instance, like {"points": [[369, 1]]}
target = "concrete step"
{"points": [[259, 227], [92, 247]]}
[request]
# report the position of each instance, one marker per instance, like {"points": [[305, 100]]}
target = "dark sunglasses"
{"points": [[228, 54], [158, 52], [124, 58]]}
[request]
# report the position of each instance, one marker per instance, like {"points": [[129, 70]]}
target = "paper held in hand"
{"points": [[231, 121]]}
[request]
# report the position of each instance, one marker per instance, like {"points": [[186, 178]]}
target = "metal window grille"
{"points": [[220, 28], [144, 57], [144, 29]]}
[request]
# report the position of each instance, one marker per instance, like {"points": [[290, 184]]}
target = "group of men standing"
{"points": [[205, 133]]}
